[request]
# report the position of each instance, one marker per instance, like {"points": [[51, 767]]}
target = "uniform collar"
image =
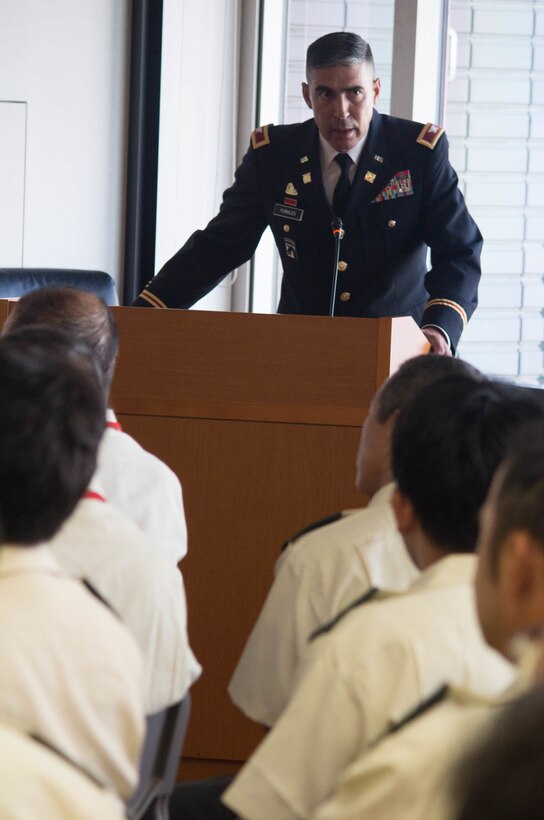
{"points": [[452, 570], [383, 496], [327, 153], [15, 559]]}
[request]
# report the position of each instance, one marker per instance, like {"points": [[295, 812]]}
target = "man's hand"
{"points": [[437, 341]]}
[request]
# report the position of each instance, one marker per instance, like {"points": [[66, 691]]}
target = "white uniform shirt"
{"points": [[406, 775], [317, 576], [37, 784], [143, 586], [380, 661], [69, 670], [143, 488]]}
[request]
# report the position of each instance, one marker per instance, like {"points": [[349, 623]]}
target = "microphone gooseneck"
{"points": [[338, 232]]}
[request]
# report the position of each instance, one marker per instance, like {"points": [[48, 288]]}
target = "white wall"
{"points": [[198, 124], [67, 61]]}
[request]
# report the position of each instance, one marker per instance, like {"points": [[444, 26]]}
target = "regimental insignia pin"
{"points": [[290, 248], [290, 189], [306, 178], [378, 158], [370, 177], [304, 159]]}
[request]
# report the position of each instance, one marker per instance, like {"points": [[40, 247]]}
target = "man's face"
{"points": [[490, 600], [342, 98], [374, 454]]}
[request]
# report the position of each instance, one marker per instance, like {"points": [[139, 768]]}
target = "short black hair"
{"points": [[501, 777], [519, 501], [447, 444], [51, 423], [83, 316], [338, 48], [414, 375]]}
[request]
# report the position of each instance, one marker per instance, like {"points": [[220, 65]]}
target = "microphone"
{"points": [[338, 232]]}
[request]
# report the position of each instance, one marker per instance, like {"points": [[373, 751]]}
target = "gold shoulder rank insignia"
{"points": [[260, 137], [429, 135]]}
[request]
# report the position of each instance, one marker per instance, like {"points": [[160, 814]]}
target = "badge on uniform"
{"points": [[290, 189], [290, 248], [399, 185], [286, 212]]}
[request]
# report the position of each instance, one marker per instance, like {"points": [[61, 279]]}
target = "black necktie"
{"points": [[341, 192]]}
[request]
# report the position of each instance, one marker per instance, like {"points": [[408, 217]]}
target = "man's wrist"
{"points": [[440, 330]]}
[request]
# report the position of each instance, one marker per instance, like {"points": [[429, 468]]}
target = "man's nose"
{"points": [[341, 107]]}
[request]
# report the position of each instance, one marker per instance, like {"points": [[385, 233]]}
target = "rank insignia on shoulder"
{"points": [[429, 135], [290, 189], [260, 137]]}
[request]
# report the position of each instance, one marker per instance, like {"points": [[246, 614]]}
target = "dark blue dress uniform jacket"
{"points": [[403, 199]]}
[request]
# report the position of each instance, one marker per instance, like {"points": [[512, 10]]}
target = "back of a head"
{"points": [[501, 778], [51, 423], [519, 500], [338, 48], [81, 315], [414, 375], [447, 444]]}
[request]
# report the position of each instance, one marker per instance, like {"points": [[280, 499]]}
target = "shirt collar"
{"points": [[15, 558], [456, 568], [327, 153]]}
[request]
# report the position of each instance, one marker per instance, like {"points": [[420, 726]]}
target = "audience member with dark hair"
{"points": [[70, 672], [142, 583], [407, 772], [501, 777], [333, 562], [134, 481], [367, 669]]}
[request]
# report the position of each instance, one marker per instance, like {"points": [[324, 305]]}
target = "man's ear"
{"points": [[306, 94], [404, 512], [522, 575], [377, 87]]}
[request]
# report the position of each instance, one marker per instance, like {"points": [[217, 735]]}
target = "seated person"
{"points": [[408, 772], [142, 585], [135, 481], [383, 657], [326, 568], [507, 780], [70, 671], [36, 781]]}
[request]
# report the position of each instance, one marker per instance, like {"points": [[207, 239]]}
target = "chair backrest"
{"points": [[159, 762], [15, 282]]}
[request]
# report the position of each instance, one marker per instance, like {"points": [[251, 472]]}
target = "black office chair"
{"points": [[15, 282], [165, 733]]}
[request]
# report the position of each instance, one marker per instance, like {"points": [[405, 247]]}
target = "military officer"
{"points": [[390, 182]]}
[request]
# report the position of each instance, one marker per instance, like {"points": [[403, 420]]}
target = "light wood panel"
{"points": [[260, 417]]}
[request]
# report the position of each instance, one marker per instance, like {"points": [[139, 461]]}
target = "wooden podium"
{"points": [[260, 418]]}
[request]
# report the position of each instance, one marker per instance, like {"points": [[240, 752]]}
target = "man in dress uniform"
{"points": [[388, 180]]}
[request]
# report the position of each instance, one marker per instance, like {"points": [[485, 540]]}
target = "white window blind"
{"points": [[495, 123]]}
